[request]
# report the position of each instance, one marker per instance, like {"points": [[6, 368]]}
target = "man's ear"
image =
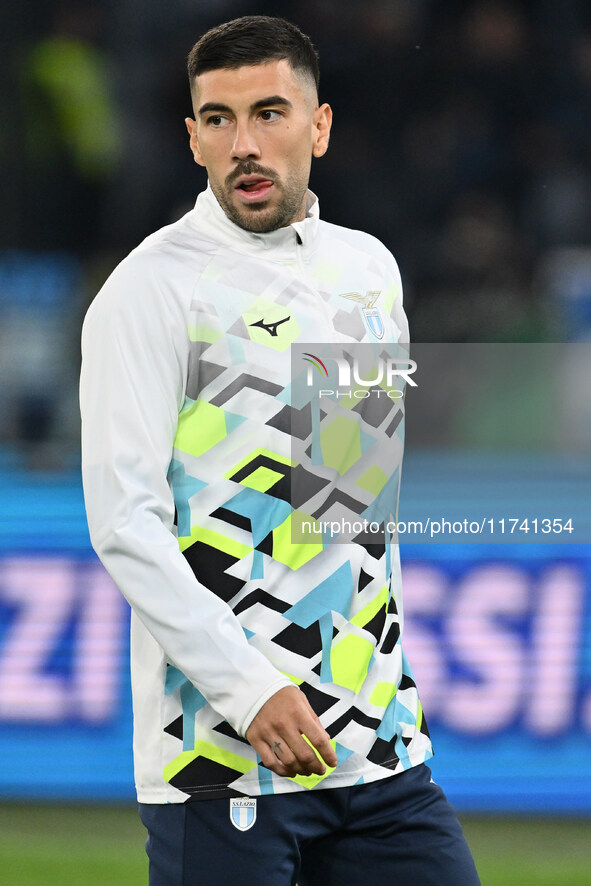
{"points": [[321, 134], [193, 141]]}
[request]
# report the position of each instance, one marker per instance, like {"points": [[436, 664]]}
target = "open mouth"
{"points": [[253, 187]]}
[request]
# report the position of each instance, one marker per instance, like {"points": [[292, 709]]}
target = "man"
{"points": [[278, 732]]}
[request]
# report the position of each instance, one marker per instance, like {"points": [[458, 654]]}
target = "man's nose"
{"points": [[245, 143]]}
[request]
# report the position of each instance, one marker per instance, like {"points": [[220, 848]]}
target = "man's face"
{"points": [[256, 132]]}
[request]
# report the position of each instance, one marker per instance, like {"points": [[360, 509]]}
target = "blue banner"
{"points": [[500, 642], [499, 638]]}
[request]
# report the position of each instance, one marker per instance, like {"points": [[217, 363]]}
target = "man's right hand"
{"points": [[276, 735]]}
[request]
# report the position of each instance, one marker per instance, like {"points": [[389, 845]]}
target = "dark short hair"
{"points": [[253, 40]]}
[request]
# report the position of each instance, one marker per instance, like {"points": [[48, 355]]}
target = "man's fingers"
{"points": [[289, 737], [279, 758], [307, 757], [270, 759], [319, 738], [284, 753], [291, 757], [283, 759], [321, 742]]}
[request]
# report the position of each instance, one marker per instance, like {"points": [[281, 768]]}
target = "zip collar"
{"points": [[280, 245]]}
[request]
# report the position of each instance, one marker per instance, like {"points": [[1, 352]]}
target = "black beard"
{"points": [[256, 217], [259, 219]]}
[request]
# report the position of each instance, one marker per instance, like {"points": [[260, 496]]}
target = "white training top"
{"points": [[189, 420]]}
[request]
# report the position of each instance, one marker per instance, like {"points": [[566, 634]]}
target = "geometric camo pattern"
{"points": [[245, 470]]}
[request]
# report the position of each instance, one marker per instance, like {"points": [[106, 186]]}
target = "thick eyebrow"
{"points": [[218, 108], [272, 100], [214, 106]]}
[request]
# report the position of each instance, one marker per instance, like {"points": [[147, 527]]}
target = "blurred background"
{"points": [[462, 139]]}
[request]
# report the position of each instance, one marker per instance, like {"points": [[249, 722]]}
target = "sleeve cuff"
{"points": [[283, 683]]}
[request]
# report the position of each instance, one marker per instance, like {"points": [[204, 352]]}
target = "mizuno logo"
{"points": [[271, 328]]}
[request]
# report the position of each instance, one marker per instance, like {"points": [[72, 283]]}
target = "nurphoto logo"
{"points": [[357, 381]]}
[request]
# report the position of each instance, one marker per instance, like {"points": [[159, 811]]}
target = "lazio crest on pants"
{"points": [[243, 812]]}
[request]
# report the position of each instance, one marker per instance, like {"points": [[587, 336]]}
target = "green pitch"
{"points": [[58, 845], [97, 845]]}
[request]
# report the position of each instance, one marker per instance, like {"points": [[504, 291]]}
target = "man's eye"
{"points": [[216, 120], [269, 115]]}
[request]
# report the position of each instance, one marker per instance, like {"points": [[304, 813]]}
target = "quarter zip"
{"points": [[320, 305]]}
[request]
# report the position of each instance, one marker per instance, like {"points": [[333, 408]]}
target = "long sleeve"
{"points": [[135, 354], [193, 473]]}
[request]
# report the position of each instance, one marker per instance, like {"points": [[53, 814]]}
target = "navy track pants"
{"points": [[399, 830]]}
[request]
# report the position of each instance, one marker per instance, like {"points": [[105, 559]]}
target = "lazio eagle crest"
{"points": [[372, 315]]}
